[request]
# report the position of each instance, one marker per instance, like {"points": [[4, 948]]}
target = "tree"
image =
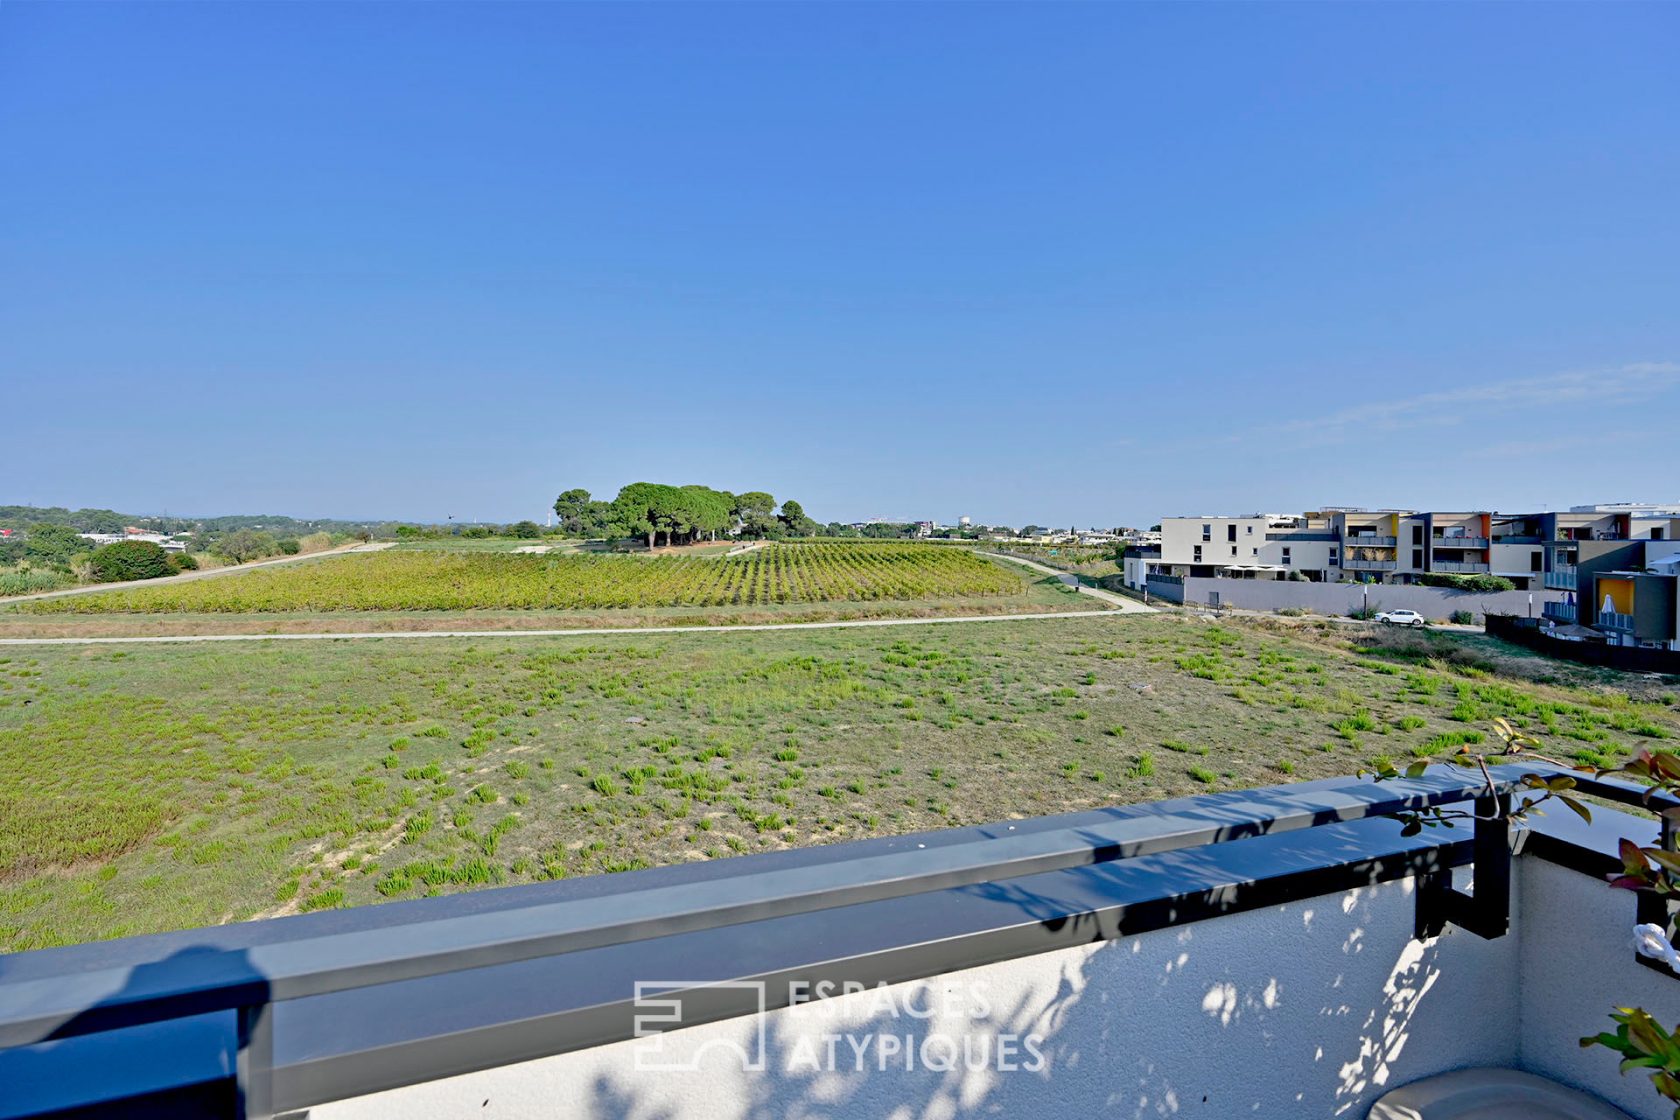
{"points": [[639, 509], [247, 544], [794, 520], [571, 504], [53, 544], [123, 560], [756, 512], [525, 530]]}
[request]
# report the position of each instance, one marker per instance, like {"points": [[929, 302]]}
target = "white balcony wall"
{"points": [[1576, 965], [1312, 1009]]}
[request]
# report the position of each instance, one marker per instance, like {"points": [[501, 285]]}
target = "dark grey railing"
{"points": [[972, 896]]}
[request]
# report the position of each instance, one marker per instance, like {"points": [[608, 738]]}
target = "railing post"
{"points": [[1492, 846], [254, 1067], [1487, 911]]}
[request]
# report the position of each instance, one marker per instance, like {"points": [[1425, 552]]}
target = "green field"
{"points": [[158, 787], [466, 580]]}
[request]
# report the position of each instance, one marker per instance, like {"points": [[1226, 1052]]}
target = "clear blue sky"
{"points": [[1082, 264]]}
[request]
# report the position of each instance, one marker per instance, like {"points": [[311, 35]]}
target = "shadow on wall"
{"points": [[195, 1076], [1305, 1009]]}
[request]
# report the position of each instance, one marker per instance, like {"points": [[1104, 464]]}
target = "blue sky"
{"points": [[1065, 264]]}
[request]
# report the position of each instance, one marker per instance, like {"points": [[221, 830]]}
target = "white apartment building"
{"points": [[1337, 545]]}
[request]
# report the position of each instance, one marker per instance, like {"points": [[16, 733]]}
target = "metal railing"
{"points": [[1610, 620], [1559, 612], [1560, 579], [1352, 540], [1457, 566], [249, 968], [1458, 542], [1369, 565]]}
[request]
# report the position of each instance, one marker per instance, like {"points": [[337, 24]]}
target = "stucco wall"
{"points": [[1311, 1009], [1342, 598], [1576, 963]]}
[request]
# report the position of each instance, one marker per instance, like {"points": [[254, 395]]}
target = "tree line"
{"points": [[681, 515]]}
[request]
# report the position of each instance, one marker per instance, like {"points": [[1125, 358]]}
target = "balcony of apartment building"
{"points": [[1368, 537], [1614, 620], [1051, 965], [1352, 564], [1455, 540], [1460, 567], [1559, 612], [1517, 530], [1560, 578]]}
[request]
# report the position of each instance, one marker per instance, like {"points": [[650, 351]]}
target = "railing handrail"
{"points": [[79, 1001]]}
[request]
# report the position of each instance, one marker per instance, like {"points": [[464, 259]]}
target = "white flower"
{"points": [[1651, 940]]}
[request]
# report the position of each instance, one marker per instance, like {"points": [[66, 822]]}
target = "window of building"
{"points": [[1198, 556], [1286, 554], [1231, 532], [1417, 557], [1335, 556], [1534, 561], [1233, 550], [1417, 538], [1207, 532], [1251, 530]]}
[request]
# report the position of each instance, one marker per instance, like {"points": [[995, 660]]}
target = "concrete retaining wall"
{"points": [[1344, 598]]}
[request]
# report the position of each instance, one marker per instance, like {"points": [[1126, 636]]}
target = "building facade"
{"points": [[1340, 545]]}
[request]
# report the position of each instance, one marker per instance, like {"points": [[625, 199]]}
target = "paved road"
{"points": [[187, 577], [1122, 604], [598, 632]]}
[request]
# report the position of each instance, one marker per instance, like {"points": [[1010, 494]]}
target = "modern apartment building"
{"points": [[1326, 546], [1628, 591], [1340, 544]]}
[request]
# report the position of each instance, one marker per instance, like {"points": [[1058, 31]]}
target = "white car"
{"points": [[1401, 618]]}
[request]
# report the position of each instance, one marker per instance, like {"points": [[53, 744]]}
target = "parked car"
{"points": [[1401, 618]]}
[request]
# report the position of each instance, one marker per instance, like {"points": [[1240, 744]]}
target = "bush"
{"points": [[125, 560], [30, 581], [316, 542], [53, 544], [1463, 618], [181, 562], [1466, 583], [289, 547], [246, 545], [525, 530]]}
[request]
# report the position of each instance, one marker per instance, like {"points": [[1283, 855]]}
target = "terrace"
{"points": [[1561, 578], [1112, 952]]}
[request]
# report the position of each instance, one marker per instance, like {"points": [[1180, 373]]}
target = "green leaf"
{"points": [[1580, 810]]}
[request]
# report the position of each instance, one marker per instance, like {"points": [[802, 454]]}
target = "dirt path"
{"points": [[1122, 604], [187, 577], [855, 624]]}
